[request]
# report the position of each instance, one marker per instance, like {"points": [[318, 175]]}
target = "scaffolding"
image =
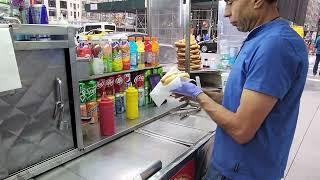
{"points": [[205, 21], [125, 21]]}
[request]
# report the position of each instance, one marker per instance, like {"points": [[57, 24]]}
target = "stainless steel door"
{"points": [[29, 132]]}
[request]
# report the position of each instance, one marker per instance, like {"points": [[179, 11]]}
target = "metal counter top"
{"points": [[124, 158], [167, 139], [200, 120]]}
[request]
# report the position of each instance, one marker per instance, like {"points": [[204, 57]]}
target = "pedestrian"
{"points": [[260, 106], [316, 63], [198, 38]]}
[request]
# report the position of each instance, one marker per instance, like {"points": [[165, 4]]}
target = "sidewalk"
{"points": [[305, 150]]}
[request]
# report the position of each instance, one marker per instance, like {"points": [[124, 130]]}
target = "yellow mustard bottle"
{"points": [[132, 110]]}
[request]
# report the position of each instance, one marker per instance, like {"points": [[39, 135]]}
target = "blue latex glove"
{"points": [[188, 89]]}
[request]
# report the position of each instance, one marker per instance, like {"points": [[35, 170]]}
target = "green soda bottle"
{"points": [[82, 92], [107, 55], [91, 88], [147, 86]]}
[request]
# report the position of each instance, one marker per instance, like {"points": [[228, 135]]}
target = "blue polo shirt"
{"points": [[274, 61]]}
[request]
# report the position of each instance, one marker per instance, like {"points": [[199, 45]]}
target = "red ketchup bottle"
{"points": [[106, 117]]}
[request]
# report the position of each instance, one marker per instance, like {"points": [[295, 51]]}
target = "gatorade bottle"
{"points": [[132, 103], [133, 53], [155, 51], [117, 64], [125, 52], [107, 55], [140, 45], [148, 52]]}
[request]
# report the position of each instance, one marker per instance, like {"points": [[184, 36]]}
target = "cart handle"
{"points": [[148, 172]]}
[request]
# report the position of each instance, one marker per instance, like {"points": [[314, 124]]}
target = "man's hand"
{"points": [[217, 97], [188, 89]]}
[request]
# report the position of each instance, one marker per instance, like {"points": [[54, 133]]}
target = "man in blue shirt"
{"points": [[316, 64], [258, 116]]}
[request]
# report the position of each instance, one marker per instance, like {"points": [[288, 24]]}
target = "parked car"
{"points": [[112, 35], [125, 35], [96, 32], [208, 46]]}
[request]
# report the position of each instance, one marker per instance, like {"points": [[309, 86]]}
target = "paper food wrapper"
{"points": [[160, 93]]}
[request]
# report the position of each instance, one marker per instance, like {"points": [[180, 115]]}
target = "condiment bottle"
{"points": [[106, 116], [132, 103]]}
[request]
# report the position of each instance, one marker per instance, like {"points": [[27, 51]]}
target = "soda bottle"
{"points": [[155, 51], [96, 47], [83, 99], [133, 53], [140, 45], [82, 92], [125, 52], [147, 87], [141, 97], [119, 101], [148, 52], [117, 64], [160, 71], [92, 108], [107, 55], [91, 88]]}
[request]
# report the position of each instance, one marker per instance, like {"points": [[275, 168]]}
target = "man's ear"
{"points": [[258, 3]]}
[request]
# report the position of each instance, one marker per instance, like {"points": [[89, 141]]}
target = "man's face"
{"points": [[241, 14]]}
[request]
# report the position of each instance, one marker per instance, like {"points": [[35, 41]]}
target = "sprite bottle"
{"points": [[91, 87], [160, 71], [147, 86], [82, 92]]}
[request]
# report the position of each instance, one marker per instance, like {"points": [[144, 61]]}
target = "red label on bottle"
{"points": [[109, 89], [101, 87], [139, 81], [119, 83]]}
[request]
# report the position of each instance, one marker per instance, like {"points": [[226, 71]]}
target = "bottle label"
{"points": [[133, 59]]}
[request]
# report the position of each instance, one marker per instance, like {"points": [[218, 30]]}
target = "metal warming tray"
{"points": [[177, 133], [200, 121]]}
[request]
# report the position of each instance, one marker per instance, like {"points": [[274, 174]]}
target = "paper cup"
{"points": [[160, 93]]}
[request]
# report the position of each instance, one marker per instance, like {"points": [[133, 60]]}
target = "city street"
{"points": [[304, 155]]}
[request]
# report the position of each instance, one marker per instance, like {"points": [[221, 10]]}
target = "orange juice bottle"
{"points": [[155, 51]]}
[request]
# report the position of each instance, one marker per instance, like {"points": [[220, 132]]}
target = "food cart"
{"points": [[41, 126]]}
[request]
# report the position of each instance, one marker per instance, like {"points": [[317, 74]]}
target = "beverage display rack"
{"points": [[93, 77]]}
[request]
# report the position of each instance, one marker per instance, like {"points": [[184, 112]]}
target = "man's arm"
{"points": [[217, 97], [244, 123]]}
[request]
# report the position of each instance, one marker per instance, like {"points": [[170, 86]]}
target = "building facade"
{"points": [[69, 11], [312, 16]]}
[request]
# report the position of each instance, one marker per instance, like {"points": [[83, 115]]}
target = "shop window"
{"points": [[64, 14], [63, 4], [52, 3], [52, 13]]}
